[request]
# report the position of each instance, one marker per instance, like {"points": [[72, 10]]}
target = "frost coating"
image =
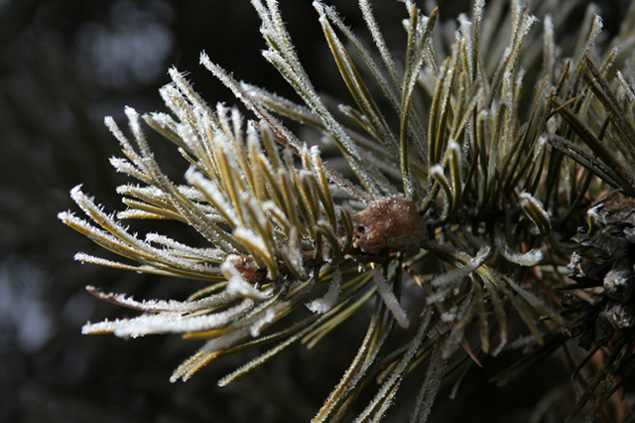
{"points": [[324, 304], [238, 285], [389, 298]]}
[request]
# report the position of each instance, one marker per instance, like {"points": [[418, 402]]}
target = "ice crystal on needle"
{"points": [[470, 158]]}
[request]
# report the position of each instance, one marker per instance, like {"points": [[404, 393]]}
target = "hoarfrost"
{"points": [[238, 285], [389, 298], [324, 304]]}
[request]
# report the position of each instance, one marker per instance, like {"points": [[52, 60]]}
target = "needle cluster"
{"points": [[473, 157]]}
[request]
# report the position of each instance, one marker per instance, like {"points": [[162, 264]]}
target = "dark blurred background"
{"points": [[64, 65]]}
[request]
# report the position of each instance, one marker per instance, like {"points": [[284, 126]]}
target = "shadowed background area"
{"points": [[64, 65]]}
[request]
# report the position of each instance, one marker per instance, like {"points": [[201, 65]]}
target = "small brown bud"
{"points": [[389, 225], [247, 268]]}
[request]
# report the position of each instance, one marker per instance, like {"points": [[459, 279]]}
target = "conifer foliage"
{"points": [[489, 171]]}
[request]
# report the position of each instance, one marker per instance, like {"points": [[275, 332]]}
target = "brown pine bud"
{"points": [[389, 225]]}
